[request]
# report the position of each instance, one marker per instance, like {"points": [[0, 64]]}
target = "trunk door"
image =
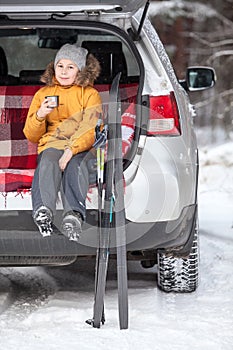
{"points": [[121, 8]]}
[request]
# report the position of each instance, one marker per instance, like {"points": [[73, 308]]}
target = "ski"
{"points": [[119, 209], [106, 222]]}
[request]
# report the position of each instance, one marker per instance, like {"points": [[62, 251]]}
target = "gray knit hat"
{"points": [[73, 53]]}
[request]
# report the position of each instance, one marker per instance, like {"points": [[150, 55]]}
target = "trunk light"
{"points": [[164, 116]]}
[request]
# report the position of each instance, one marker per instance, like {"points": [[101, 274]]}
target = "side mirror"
{"points": [[200, 78]]}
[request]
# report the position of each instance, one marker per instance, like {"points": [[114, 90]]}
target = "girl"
{"points": [[64, 135]]}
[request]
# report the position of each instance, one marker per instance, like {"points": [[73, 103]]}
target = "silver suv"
{"points": [[160, 151]]}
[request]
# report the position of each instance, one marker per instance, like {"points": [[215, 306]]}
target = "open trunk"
{"points": [[28, 50]]}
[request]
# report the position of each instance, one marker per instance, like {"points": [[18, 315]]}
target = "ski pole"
{"points": [[100, 142]]}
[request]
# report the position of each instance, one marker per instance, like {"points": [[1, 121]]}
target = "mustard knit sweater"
{"points": [[71, 124]]}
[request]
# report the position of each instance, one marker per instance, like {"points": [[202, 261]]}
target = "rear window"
{"points": [[27, 51]]}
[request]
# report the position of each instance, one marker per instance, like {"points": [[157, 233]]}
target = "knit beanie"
{"points": [[73, 53]]}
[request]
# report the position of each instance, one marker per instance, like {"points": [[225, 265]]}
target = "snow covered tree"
{"points": [[200, 33]]}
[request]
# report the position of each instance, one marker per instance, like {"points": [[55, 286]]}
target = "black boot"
{"points": [[72, 225], [43, 219]]}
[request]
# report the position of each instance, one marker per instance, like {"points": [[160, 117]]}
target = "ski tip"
{"points": [[90, 321], [94, 324]]}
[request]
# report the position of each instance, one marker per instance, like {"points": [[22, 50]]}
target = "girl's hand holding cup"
{"points": [[47, 106]]}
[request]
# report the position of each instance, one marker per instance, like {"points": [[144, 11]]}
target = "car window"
{"points": [[33, 49]]}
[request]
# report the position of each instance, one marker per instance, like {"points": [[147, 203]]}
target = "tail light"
{"points": [[164, 116]]}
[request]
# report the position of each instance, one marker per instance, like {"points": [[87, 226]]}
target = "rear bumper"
{"points": [[20, 237]]}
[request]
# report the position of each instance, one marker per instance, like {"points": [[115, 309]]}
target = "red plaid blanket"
{"points": [[17, 154], [12, 180]]}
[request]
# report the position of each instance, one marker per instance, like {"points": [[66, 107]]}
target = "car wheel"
{"points": [[179, 274]]}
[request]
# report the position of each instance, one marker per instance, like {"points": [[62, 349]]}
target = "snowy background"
{"points": [[46, 308]]}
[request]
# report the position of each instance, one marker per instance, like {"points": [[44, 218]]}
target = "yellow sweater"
{"points": [[71, 124]]}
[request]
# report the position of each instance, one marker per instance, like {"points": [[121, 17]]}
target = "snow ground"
{"points": [[46, 308]]}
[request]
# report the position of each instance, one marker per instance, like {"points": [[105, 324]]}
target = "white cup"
{"points": [[53, 101]]}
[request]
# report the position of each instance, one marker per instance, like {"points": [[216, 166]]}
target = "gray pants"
{"points": [[73, 183]]}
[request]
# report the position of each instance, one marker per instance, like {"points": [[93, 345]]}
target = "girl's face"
{"points": [[66, 72]]}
